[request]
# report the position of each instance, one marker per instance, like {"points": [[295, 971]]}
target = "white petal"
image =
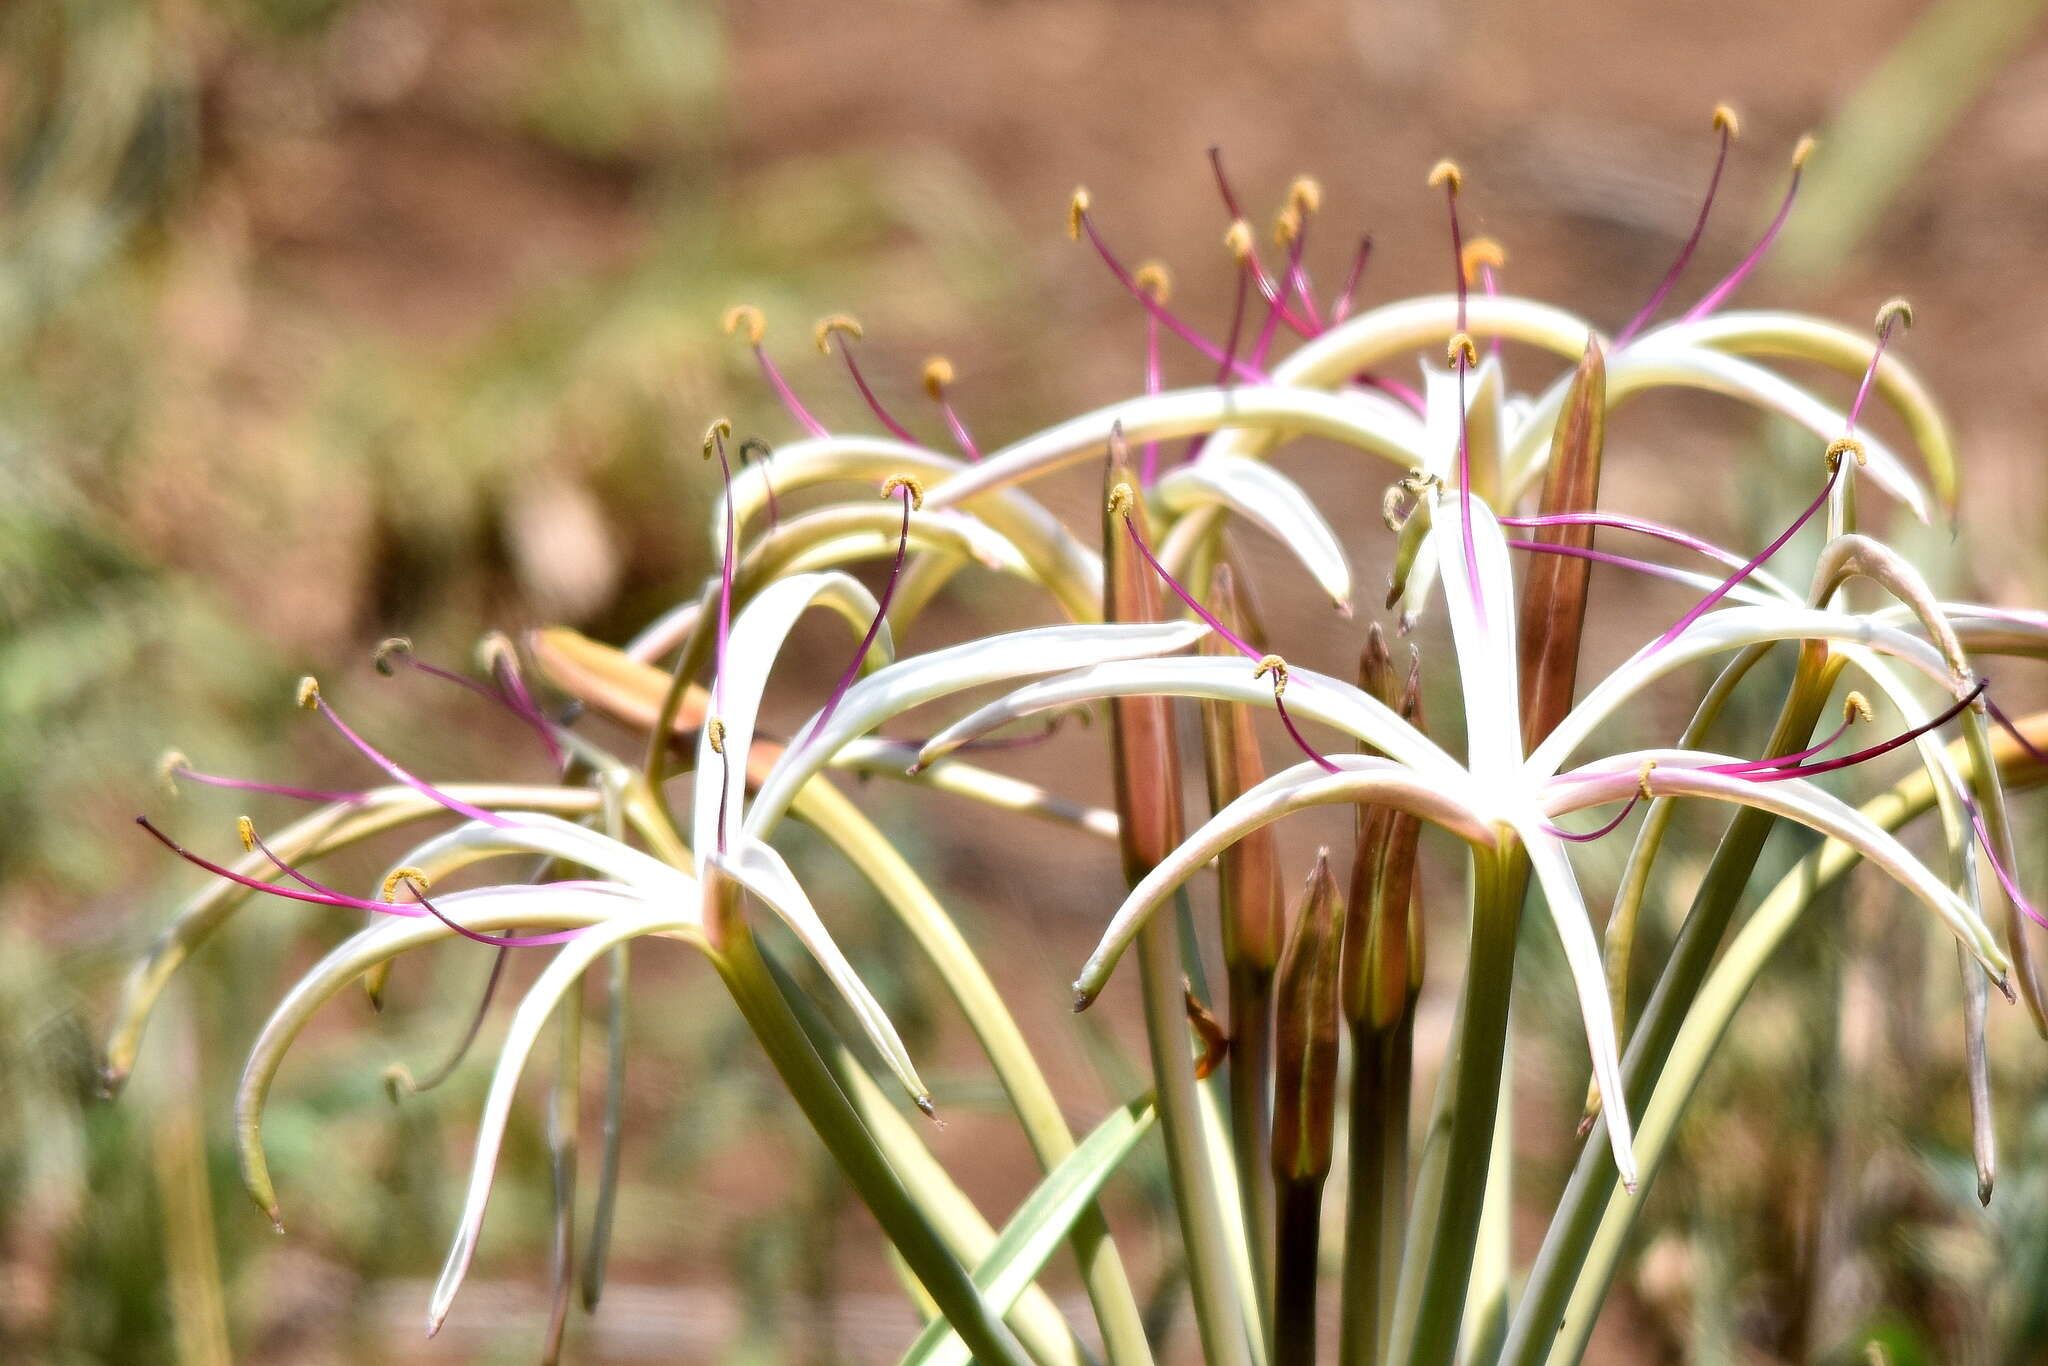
{"points": [[1269, 500]]}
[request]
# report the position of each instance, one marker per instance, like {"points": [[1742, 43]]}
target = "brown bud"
{"points": [[1144, 756], [1383, 944], [1305, 1034], [1553, 611], [1252, 900]]}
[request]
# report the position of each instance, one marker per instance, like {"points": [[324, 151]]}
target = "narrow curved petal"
{"points": [[1360, 779], [1270, 501], [1482, 610], [924, 678]]}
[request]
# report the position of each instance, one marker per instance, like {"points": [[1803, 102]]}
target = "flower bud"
{"points": [[1249, 889], [1305, 1034], [1554, 586]]}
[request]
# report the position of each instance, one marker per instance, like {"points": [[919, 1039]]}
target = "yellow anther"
{"points": [[1726, 122], [1122, 499], [1481, 251], [1893, 311], [1286, 226], [1305, 195], [938, 373], [837, 322], [719, 430], [747, 318], [1153, 279], [390, 646], [1276, 666], [1846, 445], [1076, 207], [904, 481], [413, 878], [1856, 707], [1461, 351], [1643, 779], [309, 692], [1239, 239], [716, 734], [246, 828], [167, 769], [1446, 172], [1801, 150]]}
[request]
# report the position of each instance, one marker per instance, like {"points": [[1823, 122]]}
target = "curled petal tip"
{"points": [[1628, 1183], [1984, 1191], [1343, 606], [821, 334], [1083, 998], [747, 319], [924, 1103]]}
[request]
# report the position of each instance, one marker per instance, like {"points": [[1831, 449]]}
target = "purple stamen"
{"points": [[1650, 567], [1405, 393], [938, 373], [755, 450], [1809, 770], [1727, 585], [1604, 831], [2019, 738], [1269, 288], [1341, 309], [1276, 302], [714, 444], [1451, 179], [300, 794], [1888, 317], [1084, 222], [1322, 760], [788, 395], [1638, 525], [511, 692], [850, 331], [1783, 760], [1733, 280], [2005, 878], [1726, 126], [391, 766], [911, 495]]}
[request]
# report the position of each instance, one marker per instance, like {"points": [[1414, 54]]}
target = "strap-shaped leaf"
{"points": [[1038, 1228]]}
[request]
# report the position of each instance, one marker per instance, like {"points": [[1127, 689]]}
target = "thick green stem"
{"points": [[1296, 1249], [1251, 1120], [1180, 1124], [1540, 1317], [838, 1125], [1377, 1162], [1499, 883]]}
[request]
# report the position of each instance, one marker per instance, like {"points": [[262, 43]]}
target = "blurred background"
{"points": [[325, 320]]}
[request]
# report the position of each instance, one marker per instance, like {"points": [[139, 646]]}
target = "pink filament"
{"points": [[1685, 252]]}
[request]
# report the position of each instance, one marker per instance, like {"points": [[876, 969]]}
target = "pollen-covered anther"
{"points": [[1238, 237], [938, 373], [246, 829], [716, 735], [896, 482], [1461, 350], [1076, 207], [837, 322], [411, 878], [719, 430], [1122, 499], [1856, 707], [1726, 122], [1893, 311], [1446, 172], [309, 693], [1286, 226], [1305, 195], [388, 649], [1801, 150], [1643, 779], [1153, 278], [1481, 251], [1846, 445], [1276, 666], [169, 766], [747, 319]]}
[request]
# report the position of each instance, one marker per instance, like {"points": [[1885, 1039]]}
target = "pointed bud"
{"points": [[1383, 943], [1554, 589], [1305, 1034], [1145, 757], [1249, 887]]}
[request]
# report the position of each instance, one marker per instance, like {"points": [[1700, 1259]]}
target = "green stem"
{"points": [[839, 1126], [1251, 1119], [1369, 1162], [1300, 1211], [1180, 1123], [1499, 884], [1540, 1317]]}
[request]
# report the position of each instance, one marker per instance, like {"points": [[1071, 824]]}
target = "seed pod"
{"points": [[1253, 902], [1553, 611], [1305, 1034], [1144, 756]]}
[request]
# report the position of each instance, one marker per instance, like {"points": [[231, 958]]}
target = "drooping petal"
{"points": [[1270, 501]]}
